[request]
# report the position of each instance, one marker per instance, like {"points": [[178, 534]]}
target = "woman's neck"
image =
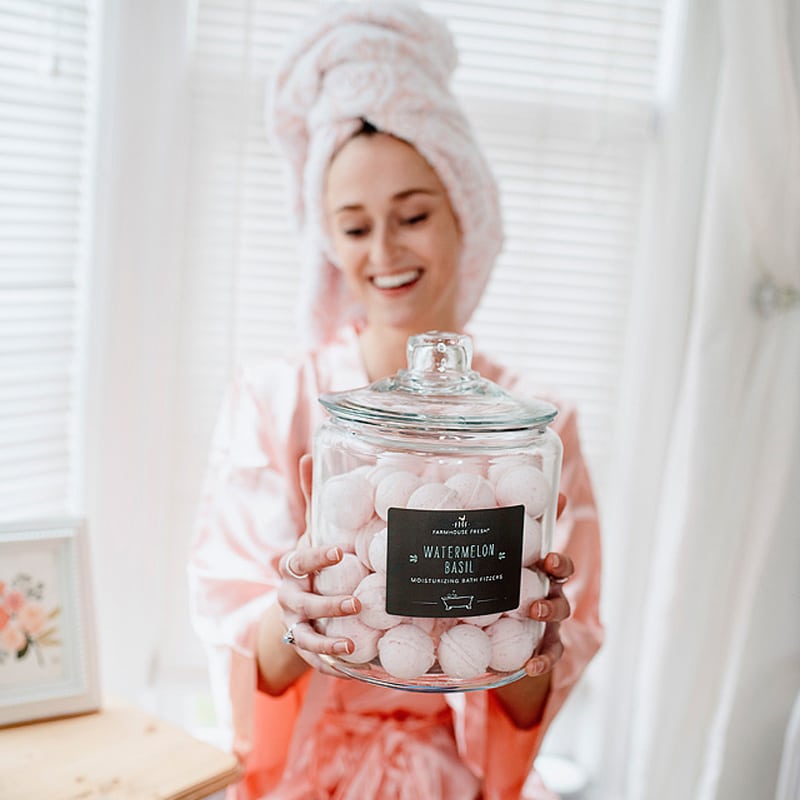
{"points": [[383, 351]]}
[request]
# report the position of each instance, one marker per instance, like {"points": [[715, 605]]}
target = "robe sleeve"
{"points": [[251, 512], [490, 743]]}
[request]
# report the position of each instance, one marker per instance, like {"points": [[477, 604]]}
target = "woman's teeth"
{"points": [[396, 280]]}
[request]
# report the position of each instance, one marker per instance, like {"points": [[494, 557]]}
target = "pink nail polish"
{"points": [[348, 606], [536, 668]]}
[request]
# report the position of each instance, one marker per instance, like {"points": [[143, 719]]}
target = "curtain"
{"points": [[707, 467]]}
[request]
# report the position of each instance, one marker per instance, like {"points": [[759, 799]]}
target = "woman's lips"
{"points": [[396, 280]]}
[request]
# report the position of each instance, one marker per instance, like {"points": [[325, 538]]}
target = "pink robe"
{"points": [[335, 738]]}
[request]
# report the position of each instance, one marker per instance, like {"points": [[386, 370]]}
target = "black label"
{"points": [[453, 563]]}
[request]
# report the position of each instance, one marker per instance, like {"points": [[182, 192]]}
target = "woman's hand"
{"points": [[524, 700], [287, 640], [300, 606], [552, 610]]}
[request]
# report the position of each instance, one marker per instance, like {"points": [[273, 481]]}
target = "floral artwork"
{"points": [[48, 661], [35, 618], [27, 626]]}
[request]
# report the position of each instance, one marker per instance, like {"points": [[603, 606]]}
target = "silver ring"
{"points": [[288, 635], [288, 567]]}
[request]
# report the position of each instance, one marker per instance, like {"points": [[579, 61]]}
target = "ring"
{"points": [[559, 580], [288, 634], [288, 567]]}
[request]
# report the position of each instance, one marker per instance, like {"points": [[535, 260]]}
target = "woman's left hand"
{"points": [[552, 610]]}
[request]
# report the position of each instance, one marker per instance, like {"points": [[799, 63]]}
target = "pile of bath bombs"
{"points": [[352, 514]]}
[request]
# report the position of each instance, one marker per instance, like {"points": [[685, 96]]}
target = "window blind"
{"points": [[562, 97], [46, 72]]}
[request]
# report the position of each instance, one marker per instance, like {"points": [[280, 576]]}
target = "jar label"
{"points": [[453, 563]]}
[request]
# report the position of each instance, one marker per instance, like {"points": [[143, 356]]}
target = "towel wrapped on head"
{"points": [[387, 63]]}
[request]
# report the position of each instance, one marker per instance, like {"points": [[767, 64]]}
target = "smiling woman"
{"points": [[395, 238], [401, 228]]}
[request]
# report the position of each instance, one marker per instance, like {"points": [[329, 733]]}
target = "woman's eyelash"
{"points": [[359, 231]]}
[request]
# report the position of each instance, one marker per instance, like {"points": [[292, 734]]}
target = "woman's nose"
{"points": [[383, 247]]}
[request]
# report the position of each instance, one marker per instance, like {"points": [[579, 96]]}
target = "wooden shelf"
{"points": [[118, 752]]}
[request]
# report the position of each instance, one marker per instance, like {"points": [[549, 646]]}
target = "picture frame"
{"points": [[48, 654]]}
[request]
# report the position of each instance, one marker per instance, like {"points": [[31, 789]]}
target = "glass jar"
{"points": [[441, 489]]}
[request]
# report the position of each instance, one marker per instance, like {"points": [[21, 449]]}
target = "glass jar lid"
{"points": [[439, 392]]}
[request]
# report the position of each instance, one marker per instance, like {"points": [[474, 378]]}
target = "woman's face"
{"points": [[394, 233]]}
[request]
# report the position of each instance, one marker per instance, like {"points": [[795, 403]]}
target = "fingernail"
{"points": [[348, 606], [555, 561], [334, 554], [541, 609], [343, 647], [536, 667]]}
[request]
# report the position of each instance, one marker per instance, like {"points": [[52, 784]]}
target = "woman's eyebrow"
{"points": [[406, 193]]}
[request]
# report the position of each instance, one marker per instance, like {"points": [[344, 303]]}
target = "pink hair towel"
{"points": [[388, 63]]}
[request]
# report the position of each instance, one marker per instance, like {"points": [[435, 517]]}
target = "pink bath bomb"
{"points": [[363, 539], [464, 652], [434, 496], [330, 535], [427, 624], [399, 462], [347, 501], [473, 490], [341, 578], [394, 490], [364, 638], [461, 466], [503, 465], [406, 651], [372, 594], [524, 485], [533, 586], [531, 540], [434, 626], [481, 620], [513, 642], [377, 550], [378, 473]]}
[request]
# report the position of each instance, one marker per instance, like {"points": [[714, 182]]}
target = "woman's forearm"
{"points": [[279, 666], [524, 700]]}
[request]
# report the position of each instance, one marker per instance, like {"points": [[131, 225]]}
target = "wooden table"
{"points": [[119, 753]]}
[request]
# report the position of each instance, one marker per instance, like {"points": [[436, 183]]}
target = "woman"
{"points": [[401, 226]]}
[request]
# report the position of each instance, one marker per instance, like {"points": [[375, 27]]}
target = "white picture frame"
{"points": [[48, 655]]}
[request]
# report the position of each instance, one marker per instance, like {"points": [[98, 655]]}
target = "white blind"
{"points": [[562, 97], [46, 72]]}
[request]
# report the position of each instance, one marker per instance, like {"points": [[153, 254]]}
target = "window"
{"points": [[46, 100], [561, 95]]}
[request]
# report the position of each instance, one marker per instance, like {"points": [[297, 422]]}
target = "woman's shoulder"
{"points": [[309, 370]]}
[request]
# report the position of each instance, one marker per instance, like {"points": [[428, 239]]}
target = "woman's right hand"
{"points": [[300, 606]]}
